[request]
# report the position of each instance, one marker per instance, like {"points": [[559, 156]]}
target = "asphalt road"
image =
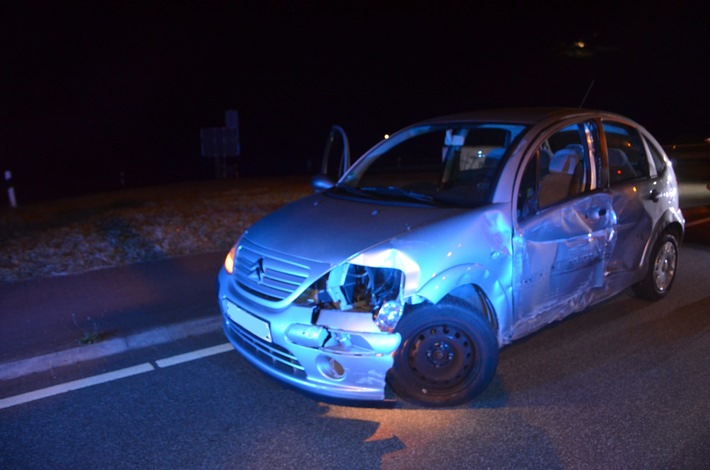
{"points": [[622, 385]]}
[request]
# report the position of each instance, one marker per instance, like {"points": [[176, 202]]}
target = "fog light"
{"points": [[330, 368], [388, 316]]}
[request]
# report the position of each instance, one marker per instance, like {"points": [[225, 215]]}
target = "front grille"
{"points": [[272, 355], [266, 275]]}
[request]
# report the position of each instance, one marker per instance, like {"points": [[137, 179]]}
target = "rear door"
{"points": [[636, 191], [565, 228]]}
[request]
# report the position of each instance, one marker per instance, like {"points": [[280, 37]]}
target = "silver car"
{"points": [[447, 241]]}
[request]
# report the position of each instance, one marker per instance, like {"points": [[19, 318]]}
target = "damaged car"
{"points": [[445, 242]]}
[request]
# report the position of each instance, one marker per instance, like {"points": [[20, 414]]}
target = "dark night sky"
{"points": [[93, 89]]}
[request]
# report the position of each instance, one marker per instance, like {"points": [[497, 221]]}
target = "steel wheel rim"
{"points": [[441, 356], [664, 268]]}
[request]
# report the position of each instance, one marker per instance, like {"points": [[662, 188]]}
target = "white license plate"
{"points": [[256, 326]]}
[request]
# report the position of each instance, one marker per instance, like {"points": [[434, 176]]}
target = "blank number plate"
{"points": [[256, 326]]}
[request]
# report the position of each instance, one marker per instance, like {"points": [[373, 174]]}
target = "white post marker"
{"points": [[10, 189]]}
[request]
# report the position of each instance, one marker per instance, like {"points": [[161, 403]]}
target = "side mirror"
{"points": [[321, 183]]}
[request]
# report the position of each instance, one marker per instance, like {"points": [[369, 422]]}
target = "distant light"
{"points": [[580, 44], [387, 136]]}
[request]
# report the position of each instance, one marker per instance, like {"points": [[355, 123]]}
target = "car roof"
{"points": [[529, 116]]}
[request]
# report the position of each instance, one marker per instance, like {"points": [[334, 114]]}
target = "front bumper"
{"points": [[321, 360]]}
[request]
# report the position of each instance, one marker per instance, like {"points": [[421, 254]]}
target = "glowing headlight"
{"points": [[389, 315], [229, 260]]}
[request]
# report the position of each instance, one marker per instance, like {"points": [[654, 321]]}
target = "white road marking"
{"points": [[193, 355], [110, 376], [158, 335], [74, 385]]}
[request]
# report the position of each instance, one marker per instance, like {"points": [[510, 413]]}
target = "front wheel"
{"points": [[661, 269], [448, 355]]}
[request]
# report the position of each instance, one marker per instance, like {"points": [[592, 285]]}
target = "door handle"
{"points": [[654, 195]]}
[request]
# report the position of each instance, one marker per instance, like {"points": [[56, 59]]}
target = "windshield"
{"points": [[438, 164]]}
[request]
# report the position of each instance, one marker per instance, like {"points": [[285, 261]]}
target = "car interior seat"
{"points": [[564, 176]]}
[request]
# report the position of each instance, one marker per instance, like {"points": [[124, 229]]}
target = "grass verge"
{"points": [[80, 234]]}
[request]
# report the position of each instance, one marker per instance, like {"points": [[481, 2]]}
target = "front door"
{"points": [[565, 231]]}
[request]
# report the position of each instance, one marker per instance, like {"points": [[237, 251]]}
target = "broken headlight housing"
{"points": [[356, 288]]}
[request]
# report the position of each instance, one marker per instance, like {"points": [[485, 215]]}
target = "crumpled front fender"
{"points": [[444, 283]]}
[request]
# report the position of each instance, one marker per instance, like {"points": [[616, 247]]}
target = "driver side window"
{"points": [[558, 170]]}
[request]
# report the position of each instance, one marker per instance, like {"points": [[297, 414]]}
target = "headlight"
{"points": [[229, 260]]}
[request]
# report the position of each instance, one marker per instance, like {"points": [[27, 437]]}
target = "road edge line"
{"points": [[75, 385], [154, 336]]}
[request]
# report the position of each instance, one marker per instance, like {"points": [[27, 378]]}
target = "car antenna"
{"points": [[586, 94]]}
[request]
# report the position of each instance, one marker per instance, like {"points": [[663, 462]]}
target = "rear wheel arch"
{"points": [[668, 224], [661, 265], [675, 229]]}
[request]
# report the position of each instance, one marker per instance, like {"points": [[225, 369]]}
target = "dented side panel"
{"points": [[560, 260], [479, 254]]}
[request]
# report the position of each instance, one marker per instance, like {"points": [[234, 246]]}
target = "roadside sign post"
{"points": [[221, 143], [10, 189]]}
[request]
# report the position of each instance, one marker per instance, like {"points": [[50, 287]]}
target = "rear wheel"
{"points": [[448, 355], [661, 269]]}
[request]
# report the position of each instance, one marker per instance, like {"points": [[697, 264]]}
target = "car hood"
{"points": [[330, 229]]}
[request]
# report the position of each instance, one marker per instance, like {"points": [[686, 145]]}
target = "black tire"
{"points": [[448, 355], [661, 269]]}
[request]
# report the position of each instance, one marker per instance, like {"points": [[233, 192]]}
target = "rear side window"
{"points": [[657, 157], [626, 152]]}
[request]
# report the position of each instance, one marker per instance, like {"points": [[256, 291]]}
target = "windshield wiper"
{"points": [[355, 191], [400, 192]]}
